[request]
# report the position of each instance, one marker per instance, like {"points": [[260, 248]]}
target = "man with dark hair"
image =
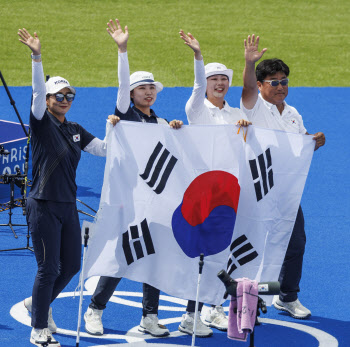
{"points": [[270, 67], [269, 110]]}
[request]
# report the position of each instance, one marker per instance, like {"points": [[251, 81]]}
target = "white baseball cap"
{"points": [[55, 84], [212, 69], [139, 78]]}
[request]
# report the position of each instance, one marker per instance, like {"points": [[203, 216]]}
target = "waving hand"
{"points": [[251, 49], [116, 32], [191, 42], [32, 42]]}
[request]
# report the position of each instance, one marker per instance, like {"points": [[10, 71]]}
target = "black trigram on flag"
{"points": [[139, 247], [265, 179], [157, 168], [242, 252]]}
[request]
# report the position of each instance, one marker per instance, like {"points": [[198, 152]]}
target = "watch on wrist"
{"points": [[35, 56]]}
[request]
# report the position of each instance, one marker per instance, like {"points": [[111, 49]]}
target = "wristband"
{"points": [[35, 56]]}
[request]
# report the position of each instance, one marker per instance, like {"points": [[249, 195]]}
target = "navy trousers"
{"points": [[55, 231], [191, 306], [107, 285], [150, 301], [291, 270]]}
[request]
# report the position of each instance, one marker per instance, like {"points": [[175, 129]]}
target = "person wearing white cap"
{"points": [[141, 89], [207, 104], [51, 205]]}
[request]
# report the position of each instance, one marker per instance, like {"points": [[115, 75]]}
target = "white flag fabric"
{"points": [[169, 195]]}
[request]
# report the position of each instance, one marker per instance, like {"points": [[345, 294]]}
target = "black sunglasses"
{"points": [[60, 97]]}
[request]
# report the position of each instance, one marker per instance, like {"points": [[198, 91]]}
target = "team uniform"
{"points": [[107, 285], [51, 206], [266, 115], [200, 110]]}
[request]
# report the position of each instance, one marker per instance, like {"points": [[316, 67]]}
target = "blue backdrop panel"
{"points": [[14, 140], [325, 202]]}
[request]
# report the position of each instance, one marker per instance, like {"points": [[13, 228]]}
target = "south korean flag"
{"points": [[170, 195]]}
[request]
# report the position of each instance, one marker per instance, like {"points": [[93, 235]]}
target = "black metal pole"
{"points": [[251, 340], [10, 179], [12, 102], [86, 205], [87, 214]]}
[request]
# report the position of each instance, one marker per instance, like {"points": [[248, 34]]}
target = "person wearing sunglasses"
{"points": [[136, 95], [51, 205], [60, 97], [268, 109]]}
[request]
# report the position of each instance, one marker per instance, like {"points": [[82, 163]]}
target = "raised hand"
{"points": [[32, 42], [116, 32], [251, 49], [191, 42]]}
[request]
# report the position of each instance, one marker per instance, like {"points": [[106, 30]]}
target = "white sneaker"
{"points": [[50, 322], [150, 325], [187, 325], [294, 308], [93, 321], [216, 318], [39, 337]]}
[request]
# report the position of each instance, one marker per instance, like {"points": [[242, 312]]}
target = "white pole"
{"points": [[86, 237], [201, 263]]}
